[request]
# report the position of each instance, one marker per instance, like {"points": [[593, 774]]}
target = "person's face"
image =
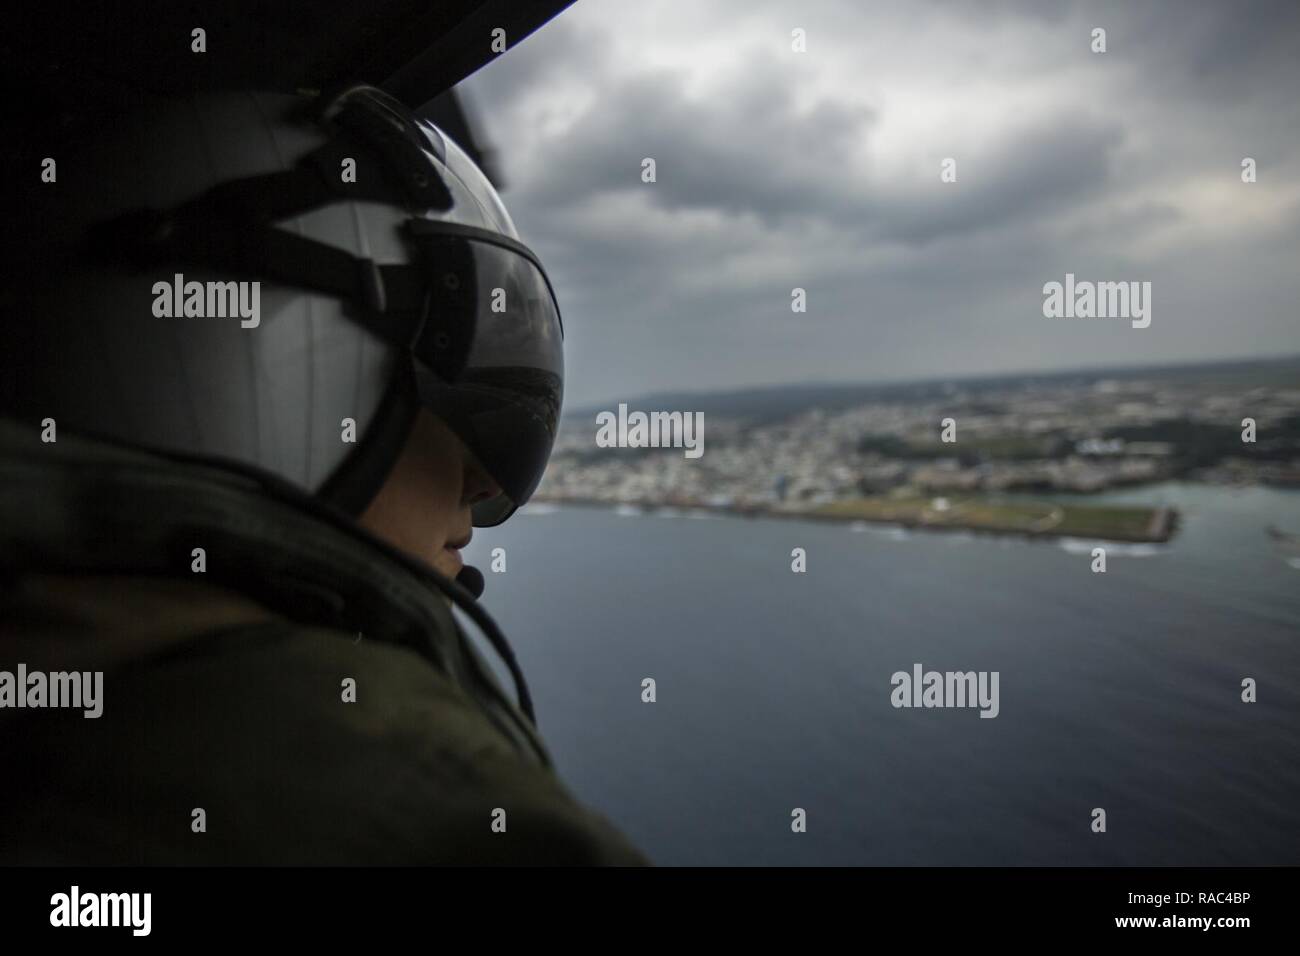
{"points": [[424, 505]]}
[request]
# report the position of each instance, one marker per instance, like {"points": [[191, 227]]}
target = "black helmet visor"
{"points": [[490, 357]]}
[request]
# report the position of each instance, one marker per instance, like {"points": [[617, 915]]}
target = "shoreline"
{"points": [[1161, 524]]}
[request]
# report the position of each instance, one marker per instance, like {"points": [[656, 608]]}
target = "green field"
{"points": [[994, 515]]}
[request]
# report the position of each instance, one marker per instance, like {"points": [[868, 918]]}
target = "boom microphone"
{"points": [[471, 579]]}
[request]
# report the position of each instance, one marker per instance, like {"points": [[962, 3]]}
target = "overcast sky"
{"points": [[820, 169]]}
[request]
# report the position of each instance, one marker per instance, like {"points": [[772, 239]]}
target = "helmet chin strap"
{"points": [[471, 579], [357, 480]]}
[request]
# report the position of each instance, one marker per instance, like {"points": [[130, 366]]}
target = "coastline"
{"points": [[1139, 524]]}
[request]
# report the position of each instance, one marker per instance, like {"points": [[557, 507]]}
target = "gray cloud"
{"points": [[822, 172]]}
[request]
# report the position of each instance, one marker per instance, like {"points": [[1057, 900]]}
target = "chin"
{"points": [[448, 563]]}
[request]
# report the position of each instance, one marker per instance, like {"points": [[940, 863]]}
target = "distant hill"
{"points": [[774, 402]]}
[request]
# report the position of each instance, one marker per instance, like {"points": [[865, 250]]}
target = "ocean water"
{"points": [[1119, 690]]}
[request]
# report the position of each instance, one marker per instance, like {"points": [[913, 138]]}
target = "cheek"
{"points": [[443, 506], [441, 478], [443, 468], [437, 526], [447, 495]]}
